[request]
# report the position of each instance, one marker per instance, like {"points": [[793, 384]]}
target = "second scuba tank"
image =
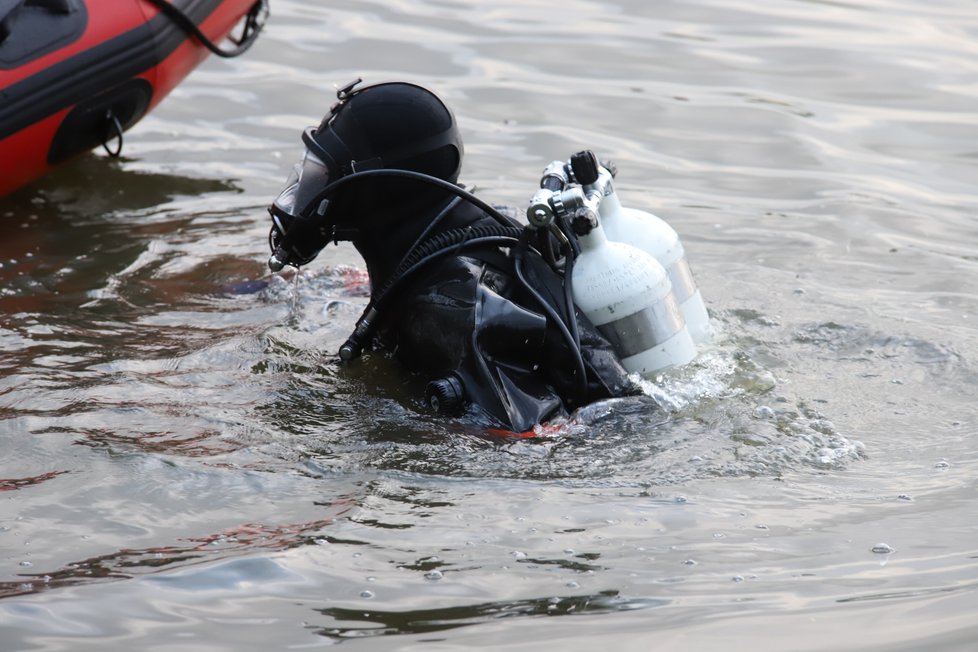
{"points": [[627, 294], [654, 236]]}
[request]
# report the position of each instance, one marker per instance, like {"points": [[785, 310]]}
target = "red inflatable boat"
{"points": [[75, 74]]}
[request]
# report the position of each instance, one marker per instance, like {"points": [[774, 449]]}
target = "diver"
{"points": [[461, 293]]}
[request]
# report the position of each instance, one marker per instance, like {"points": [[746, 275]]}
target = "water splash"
{"points": [[725, 414], [715, 374]]}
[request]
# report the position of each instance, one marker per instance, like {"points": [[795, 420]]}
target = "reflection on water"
{"points": [[94, 186], [186, 461], [423, 621], [10, 484], [128, 564]]}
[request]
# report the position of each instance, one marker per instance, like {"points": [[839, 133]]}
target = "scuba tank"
{"points": [[624, 291], [628, 295], [653, 235]]}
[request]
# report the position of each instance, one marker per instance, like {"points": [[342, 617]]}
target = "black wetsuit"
{"points": [[467, 320]]}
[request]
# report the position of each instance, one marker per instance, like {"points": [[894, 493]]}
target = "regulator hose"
{"points": [[448, 186], [572, 339], [448, 242], [572, 249], [311, 228]]}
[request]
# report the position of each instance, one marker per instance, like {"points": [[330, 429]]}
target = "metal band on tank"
{"points": [[646, 328], [683, 285]]}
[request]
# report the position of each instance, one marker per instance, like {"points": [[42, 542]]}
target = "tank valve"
{"points": [[540, 213], [584, 221], [585, 166]]}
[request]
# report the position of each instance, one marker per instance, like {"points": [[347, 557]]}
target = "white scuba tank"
{"points": [[654, 236], [628, 296]]}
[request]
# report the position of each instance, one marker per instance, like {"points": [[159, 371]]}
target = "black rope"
{"points": [[113, 124], [254, 22]]}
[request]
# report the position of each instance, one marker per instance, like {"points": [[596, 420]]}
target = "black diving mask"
{"points": [[296, 206]]}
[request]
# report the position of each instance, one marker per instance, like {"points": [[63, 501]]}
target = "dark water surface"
{"points": [[187, 466]]}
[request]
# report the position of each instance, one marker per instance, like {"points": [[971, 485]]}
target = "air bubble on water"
{"points": [[823, 426], [737, 578], [517, 554], [433, 576], [26, 563], [690, 562], [907, 497], [330, 308], [826, 456], [707, 377], [371, 579], [366, 594], [942, 465], [883, 549], [763, 412]]}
